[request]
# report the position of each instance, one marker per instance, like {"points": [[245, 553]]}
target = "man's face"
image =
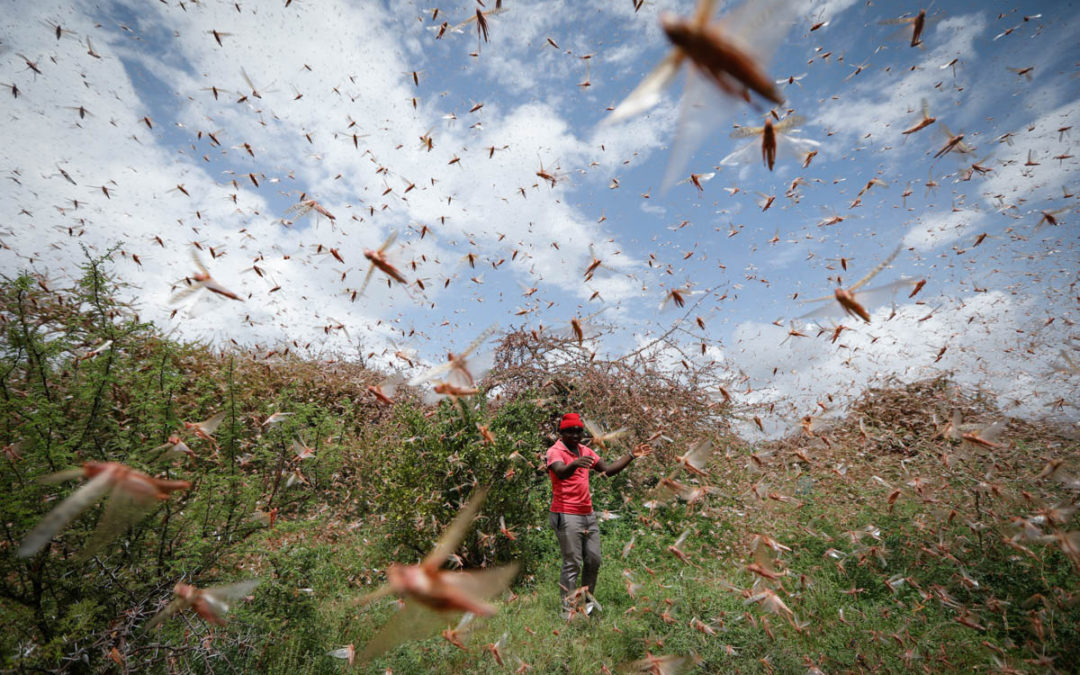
{"points": [[572, 436]]}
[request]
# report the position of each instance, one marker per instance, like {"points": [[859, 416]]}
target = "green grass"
{"points": [[871, 628]]}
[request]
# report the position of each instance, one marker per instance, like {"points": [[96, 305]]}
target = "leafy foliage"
{"points": [[430, 474]]}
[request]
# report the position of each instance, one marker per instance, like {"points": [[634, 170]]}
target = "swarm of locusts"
{"points": [[914, 524]]}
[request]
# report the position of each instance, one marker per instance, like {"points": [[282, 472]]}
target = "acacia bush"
{"points": [[639, 392], [81, 379], [438, 461]]}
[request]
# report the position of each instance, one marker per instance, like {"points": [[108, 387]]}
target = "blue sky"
{"points": [[1003, 309]]}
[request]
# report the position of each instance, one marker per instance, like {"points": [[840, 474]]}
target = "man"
{"points": [[572, 517]]}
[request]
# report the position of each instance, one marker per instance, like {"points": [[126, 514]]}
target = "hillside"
{"points": [[919, 530]]}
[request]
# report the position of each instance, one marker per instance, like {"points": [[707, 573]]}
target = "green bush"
{"points": [[431, 471]]}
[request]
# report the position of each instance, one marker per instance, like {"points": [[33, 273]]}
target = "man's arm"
{"points": [[615, 467], [622, 462], [563, 471]]}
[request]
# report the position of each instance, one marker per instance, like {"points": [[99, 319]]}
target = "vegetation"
{"points": [[896, 538]]}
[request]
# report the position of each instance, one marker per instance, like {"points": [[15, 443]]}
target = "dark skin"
{"points": [[571, 438]]}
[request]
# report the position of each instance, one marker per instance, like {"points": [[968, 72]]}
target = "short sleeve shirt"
{"points": [[570, 495]]}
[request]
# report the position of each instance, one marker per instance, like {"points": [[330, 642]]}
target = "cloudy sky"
{"points": [[163, 129]]}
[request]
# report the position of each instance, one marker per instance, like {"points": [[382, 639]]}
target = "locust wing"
{"points": [[412, 622], [647, 94], [122, 509], [453, 535], [697, 456], [64, 512]]}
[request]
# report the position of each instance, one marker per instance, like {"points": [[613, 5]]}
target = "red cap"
{"points": [[570, 420]]}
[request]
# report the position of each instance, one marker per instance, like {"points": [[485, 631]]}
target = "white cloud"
{"points": [[1037, 163], [882, 105], [990, 340], [935, 230], [830, 10], [474, 202]]}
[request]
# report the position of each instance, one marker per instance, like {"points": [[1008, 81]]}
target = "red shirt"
{"points": [[570, 495]]}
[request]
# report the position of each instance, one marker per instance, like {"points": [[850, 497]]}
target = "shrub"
{"points": [[429, 474]]}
